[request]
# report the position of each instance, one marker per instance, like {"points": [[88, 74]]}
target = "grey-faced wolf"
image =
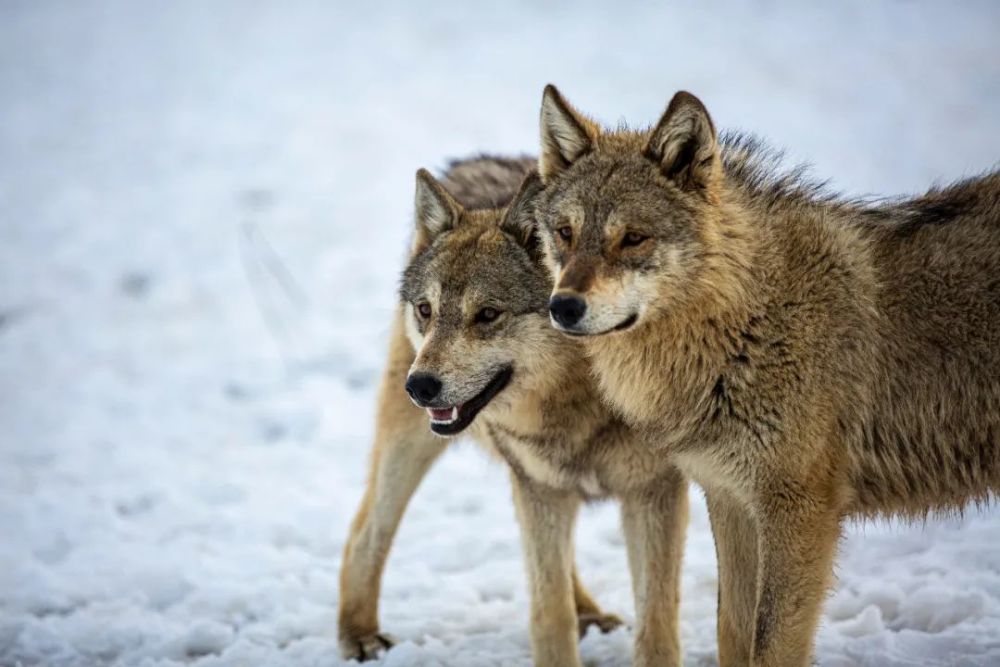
{"points": [[473, 348], [803, 357]]}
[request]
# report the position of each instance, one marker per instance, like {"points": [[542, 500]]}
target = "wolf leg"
{"points": [[588, 613], [403, 451], [547, 517], [654, 525], [735, 534], [798, 541]]}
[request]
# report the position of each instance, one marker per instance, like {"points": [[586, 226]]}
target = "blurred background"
{"points": [[203, 211]]}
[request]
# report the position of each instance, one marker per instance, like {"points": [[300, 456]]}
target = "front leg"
{"points": [[735, 533], [404, 450], [654, 523], [546, 517], [797, 544], [399, 463]]}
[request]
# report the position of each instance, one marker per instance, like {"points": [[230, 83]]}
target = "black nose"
{"points": [[423, 387], [567, 310]]}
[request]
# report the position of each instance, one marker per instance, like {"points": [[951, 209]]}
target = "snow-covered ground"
{"points": [[184, 427]]}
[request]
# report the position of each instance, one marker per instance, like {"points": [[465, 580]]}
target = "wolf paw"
{"points": [[603, 622], [365, 647]]}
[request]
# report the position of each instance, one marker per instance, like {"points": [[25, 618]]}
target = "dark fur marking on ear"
{"points": [[519, 221], [564, 133], [682, 161], [684, 144]]}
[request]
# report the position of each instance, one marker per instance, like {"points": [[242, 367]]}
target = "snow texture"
{"points": [[203, 211]]}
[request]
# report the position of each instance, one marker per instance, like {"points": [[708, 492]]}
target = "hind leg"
{"points": [[588, 613]]}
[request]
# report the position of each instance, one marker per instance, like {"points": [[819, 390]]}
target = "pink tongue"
{"points": [[440, 414]]}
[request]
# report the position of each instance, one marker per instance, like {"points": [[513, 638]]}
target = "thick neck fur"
{"points": [[671, 360], [562, 401]]}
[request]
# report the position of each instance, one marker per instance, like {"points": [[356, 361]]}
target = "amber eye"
{"points": [[487, 315], [566, 232], [633, 239], [424, 309]]}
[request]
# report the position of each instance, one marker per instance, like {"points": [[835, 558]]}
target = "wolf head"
{"points": [[630, 220], [475, 297]]}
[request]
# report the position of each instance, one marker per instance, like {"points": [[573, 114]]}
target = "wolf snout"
{"points": [[567, 310], [423, 387]]}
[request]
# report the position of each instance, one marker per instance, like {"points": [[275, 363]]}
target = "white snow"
{"points": [[184, 428]]}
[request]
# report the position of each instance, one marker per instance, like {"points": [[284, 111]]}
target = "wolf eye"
{"points": [[487, 315], [633, 239], [424, 309], [566, 232]]}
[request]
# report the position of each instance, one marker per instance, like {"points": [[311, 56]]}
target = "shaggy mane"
{"points": [[760, 170]]}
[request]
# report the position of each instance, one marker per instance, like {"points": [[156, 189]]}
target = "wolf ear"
{"points": [[436, 210], [684, 144], [566, 135], [519, 219]]}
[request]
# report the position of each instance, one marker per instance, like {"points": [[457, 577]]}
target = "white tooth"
{"points": [[452, 417]]}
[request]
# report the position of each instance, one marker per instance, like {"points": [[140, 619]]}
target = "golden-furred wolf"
{"points": [[473, 348], [803, 357]]}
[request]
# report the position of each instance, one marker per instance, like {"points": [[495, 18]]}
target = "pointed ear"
{"points": [[684, 144], [436, 210], [519, 219], [566, 135]]}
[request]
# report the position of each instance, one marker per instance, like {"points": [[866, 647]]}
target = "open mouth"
{"points": [[453, 420], [621, 326]]}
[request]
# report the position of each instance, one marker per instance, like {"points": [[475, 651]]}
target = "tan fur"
{"points": [[561, 444], [403, 451], [805, 359]]}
